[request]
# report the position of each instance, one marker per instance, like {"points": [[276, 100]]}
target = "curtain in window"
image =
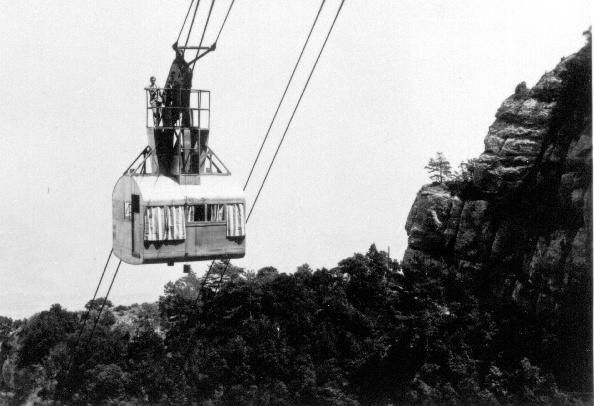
{"points": [[235, 220], [163, 223], [216, 212]]}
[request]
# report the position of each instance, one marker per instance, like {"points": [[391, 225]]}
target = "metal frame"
{"points": [[200, 97], [209, 156], [199, 122], [212, 161], [145, 153]]}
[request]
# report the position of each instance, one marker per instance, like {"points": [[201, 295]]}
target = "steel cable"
{"points": [[185, 19], [283, 96], [71, 363], [202, 36], [86, 316], [192, 23], [224, 21], [205, 25], [294, 110], [104, 301]]}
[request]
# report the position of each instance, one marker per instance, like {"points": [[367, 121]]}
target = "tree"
{"points": [[267, 273], [105, 382], [43, 331], [97, 303], [465, 170], [5, 327], [439, 168]]}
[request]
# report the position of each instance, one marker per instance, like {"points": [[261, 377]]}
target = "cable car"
{"points": [[177, 202]]}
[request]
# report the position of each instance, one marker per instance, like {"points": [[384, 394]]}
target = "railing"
{"points": [[168, 108]]}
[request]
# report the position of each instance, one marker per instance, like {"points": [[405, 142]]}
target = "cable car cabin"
{"points": [[177, 201], [157, 220]]}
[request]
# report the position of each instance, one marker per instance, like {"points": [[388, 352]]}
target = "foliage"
{"points": [[43, 331], [104, 382], [363, 333], [460, 181], [439, 168], [465, 170], [96, 304], [6, 326], [121, 308]]}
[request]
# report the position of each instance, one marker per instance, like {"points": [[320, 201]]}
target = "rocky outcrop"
{"points": [[528, 129], [523, 226]]}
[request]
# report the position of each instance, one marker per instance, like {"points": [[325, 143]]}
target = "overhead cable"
{"points": [[294, 110], [206, 24], [86, 316], [72, 361], [202, 36], [104, 301], [224, 21], [192, 23], [185, 19], [283, 96]]}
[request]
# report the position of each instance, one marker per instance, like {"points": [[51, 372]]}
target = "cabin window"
{"points": [[127, 210], [164, 223], [235, 220], [206, 213], [197, 213]]}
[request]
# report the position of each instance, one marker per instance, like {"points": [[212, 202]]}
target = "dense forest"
{"points": [[364, 332]]}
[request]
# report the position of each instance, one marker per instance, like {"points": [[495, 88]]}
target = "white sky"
{"points": [[399, 80]]}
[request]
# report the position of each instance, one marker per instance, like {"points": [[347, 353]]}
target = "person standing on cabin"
{"points": [[155, 100]]}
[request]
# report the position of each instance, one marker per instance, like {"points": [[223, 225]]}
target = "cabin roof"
{"points": [[162, 190]]}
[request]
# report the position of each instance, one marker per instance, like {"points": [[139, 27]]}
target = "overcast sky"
{"points": [[399, 80]]}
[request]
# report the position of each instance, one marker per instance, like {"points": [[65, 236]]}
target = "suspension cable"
{"points": [[294, 110], [75, 352], [192, 23], [104, 301], [224, 21], [283, 96], [86, 316], [203, 283], [221, 279], [202, 36], [205, 25], [185, 19]]}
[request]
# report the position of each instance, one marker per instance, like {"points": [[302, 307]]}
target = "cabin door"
{"points": [[136, 226]]}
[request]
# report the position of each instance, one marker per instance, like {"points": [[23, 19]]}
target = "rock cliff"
{"points": [[521, 229]]}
